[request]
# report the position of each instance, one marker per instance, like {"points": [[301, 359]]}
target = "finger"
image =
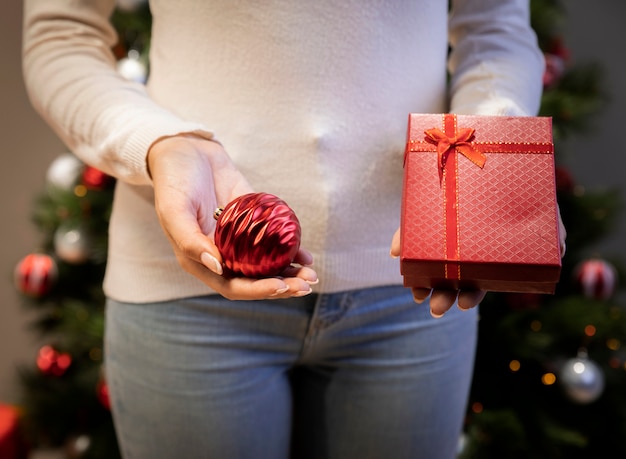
{"points": [[299, 280], [240, 288], [562, 234], [420, 294], [303, 257], [244, 288], [395, 245], [470, 298], [268, 288], [305, 273], [441, 301], [190, 242], [296, 287]]}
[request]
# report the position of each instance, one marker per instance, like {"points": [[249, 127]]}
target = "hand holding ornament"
{"points": [[192, 177]]}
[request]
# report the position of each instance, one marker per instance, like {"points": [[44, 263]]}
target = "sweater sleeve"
{"points": [[495, 63], [71, 78]]}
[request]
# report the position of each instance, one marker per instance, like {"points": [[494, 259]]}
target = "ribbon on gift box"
{"points": [[449, 143]]}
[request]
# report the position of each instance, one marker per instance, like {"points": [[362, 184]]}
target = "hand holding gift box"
{"points": [[479, 208]]}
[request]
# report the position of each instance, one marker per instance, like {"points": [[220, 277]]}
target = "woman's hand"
{"points": [[193, 176], [441, 300]]}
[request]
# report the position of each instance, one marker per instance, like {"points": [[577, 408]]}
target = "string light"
{"points": [[613, 344], [80, 191], [95, 354], [590, 330], [477, 407], [514, 365], [548, 379]]}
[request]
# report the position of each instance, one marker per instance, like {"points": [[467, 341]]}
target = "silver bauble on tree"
{"points": [[64, 171], [581, 379], [72, 244]]}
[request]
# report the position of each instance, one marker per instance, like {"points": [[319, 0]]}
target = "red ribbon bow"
{"points": [[461, 142]]}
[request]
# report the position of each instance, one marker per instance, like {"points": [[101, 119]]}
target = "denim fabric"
{"points": [[359, 374]]}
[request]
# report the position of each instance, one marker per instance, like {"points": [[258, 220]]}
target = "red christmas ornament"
{"points": [[95, 179], [257, 234], [52, 362], [554, 69], [12, 440], [558, 48], [597, 279], [102, 392], [35, 274]]}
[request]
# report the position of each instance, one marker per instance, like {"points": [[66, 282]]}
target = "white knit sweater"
{"points": [[310, 99]]}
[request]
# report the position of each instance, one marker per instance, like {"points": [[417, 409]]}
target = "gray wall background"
{"points": [[594, 32]]}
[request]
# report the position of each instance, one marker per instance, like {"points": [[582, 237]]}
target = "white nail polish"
{"points": [[436, 316], [279, 291], [211, 262], [302, 293]]}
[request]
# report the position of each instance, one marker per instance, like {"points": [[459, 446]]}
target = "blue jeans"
{"points": [[359, 374]]}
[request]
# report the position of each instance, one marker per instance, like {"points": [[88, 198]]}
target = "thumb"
{"points": [[395, 244], [189, 241]]}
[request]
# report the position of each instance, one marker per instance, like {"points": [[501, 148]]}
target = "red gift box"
{"points": [[479, 206]]}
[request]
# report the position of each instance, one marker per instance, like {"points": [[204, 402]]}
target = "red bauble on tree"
{"points": [[52, 362], [596, 278], [102, 392], [554, 70], [35, 274], [257, 234], [95, 179]]}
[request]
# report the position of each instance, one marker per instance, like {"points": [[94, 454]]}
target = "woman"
{"points": [[307, 101]]}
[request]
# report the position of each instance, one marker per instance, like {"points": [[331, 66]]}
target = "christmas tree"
{"points": [[65, 398], [549, 369]]}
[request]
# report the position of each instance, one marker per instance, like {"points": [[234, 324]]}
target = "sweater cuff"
{"points": [[128, 148]]}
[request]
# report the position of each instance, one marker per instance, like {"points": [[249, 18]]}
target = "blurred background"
{"points": [[28, 147], [596, 157]]}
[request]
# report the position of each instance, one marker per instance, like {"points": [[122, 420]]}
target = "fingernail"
{"points": [[313, 282], [211, 262], [303, 292], [392, 255], [436, 316], [280, 291]]}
